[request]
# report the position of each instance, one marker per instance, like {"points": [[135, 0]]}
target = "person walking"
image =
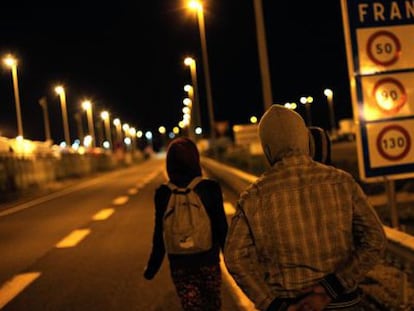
{"points": [[197, 277], [304, 235]]}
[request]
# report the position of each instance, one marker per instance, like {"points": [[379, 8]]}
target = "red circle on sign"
{"points": [[405, 151], [393, 38], [400, 103]]}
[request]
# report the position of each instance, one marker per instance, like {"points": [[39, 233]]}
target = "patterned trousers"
{"points": [[198, 289]]}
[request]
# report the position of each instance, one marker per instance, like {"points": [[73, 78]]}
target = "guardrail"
{"points": [[400, 246]]}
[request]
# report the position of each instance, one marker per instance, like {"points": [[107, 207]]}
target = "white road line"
{"points": [[229, 208], [103, 214], [132, 191], [14, 286], [120, 200], [73, 238], [239, 297]]}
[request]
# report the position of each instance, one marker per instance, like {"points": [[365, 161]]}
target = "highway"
{"points": [[85, 247]]}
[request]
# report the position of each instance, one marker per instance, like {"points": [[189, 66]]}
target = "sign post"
{"points": [[379, 42]]}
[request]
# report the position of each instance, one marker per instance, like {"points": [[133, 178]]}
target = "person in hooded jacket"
{"points": [[304, 235], [197, 277]]}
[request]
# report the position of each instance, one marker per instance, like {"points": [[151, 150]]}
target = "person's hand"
{"points": [[317, 300], [148, 273]]}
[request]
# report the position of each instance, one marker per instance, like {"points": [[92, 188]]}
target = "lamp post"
{"points": [[108, 134], [190, 62], [307, 101], [118, 127], [62, 95], [78, 119], [263, 57], [87, 106], [329, 96], [196, 5], [43, 104], [11, 62]]}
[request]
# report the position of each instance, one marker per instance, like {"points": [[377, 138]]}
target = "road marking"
{"points": [[73, 238], [103, 214], [229, 208], [120, 200], [132, 191], [13, 287], [239, 297]]}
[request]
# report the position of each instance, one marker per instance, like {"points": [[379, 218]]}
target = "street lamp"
{"points": [[87, 106], [118, 127], [62, 95], [196, 5], [190, 62], [262, 52], [307, 101], [11, 62], [108, 134], [43, 104], [329, 95]]}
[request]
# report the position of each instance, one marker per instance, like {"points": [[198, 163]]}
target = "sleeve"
{"points": [[241, 260], [158, 249], [369, 242], [220, 221]]}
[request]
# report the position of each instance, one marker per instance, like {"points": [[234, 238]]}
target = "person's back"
{"points": [[303, 228]]}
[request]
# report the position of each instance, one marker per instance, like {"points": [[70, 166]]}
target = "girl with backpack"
{"points": [[196, 276]]}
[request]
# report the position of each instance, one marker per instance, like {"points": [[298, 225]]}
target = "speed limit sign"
{"points": [[383, 48], [379, 45]]}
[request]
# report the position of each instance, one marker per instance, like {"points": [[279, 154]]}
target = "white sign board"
{"points": [[379, 41]]}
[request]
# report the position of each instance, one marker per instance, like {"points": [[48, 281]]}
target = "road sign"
{"points": [[379, 45], [247, 135]]}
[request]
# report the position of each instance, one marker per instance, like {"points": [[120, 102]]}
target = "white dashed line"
{"points": [[120, 200], [132, 191], [13, 287], [73, 238], [103, 214]]}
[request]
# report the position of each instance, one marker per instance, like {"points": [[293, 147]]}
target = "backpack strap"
{"points": [[194, 182], [190, 186]]}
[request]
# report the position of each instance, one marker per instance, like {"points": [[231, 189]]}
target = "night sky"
{"points": [[127, 57]]}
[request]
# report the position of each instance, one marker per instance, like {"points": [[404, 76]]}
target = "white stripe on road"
{"points": [[229, 208], [73, 238], [103, 214], [120, 200], [132, 191], [13, 287]]}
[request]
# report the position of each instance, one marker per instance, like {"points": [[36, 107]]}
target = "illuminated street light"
{"points": [[62, 95], [198, 7], [190, 62], [292, 106], [329, 95], [118, 127], [87, 106], [11, 62], [108, 134], [307, 101]]}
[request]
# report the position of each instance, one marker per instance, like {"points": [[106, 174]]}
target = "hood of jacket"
{"points": [[283, 132], [183, 161]]}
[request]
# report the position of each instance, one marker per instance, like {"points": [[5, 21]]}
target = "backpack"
{"points": [[186, 224]]}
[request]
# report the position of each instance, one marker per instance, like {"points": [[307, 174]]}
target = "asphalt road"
{"points": [[85, 246]]}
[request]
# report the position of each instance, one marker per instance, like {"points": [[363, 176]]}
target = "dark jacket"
{"points": [[211, 195]]}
